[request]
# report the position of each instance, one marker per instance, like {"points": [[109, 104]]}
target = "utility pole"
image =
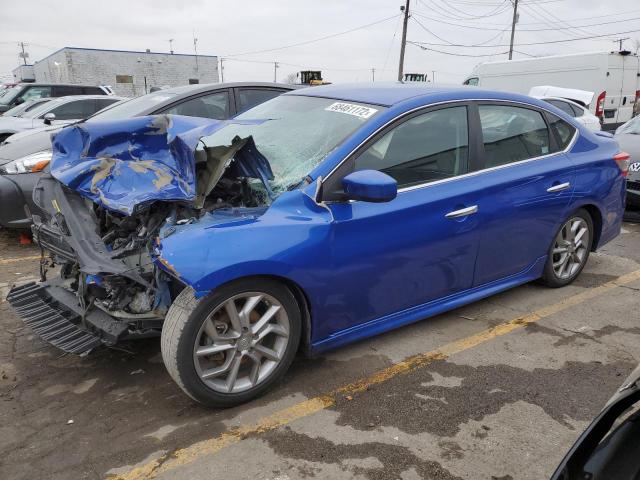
{"points": [[195, 50], [221, 70], [24, 55], [373, 74], [275, 68], [619, 41], [433, 76], [404, 9], [170, 45], [513, 27]]}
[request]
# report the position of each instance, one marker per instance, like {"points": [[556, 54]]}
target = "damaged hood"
{"points": [[126, 163]]}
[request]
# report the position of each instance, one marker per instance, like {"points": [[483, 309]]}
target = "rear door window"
{"points": [[74, 110], [100, 103], [214, 106], [65, 90], [512, 134], [247, 98]]}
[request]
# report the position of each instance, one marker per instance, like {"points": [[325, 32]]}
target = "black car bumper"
{"points": [[54, 314], [16, 199], [633, 193]]}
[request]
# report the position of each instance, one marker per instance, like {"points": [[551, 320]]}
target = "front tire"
{"points": [[234, 344], [569, 250]]}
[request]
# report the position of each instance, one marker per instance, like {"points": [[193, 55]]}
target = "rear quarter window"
{"points": [[562, 130]]}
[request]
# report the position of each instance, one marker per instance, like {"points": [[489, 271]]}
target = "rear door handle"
{"points": [[462, 212], [559, 187]]}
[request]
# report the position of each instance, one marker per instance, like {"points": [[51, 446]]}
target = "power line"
{"points": [[455, 54], [495, 12], [448, 43], [441, 10], [314, 40], [483, 25], [562, 28], [395, 32], [526, 29], [530, 43], [553, 16]]}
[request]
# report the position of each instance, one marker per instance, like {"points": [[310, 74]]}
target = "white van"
{"points": [[613, 76]]}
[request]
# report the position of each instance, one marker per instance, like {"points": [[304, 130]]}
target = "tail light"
{"points": [[600, 105], [623, 160], [637, 96]]}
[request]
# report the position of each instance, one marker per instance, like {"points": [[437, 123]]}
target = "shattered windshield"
{"points": [[294, 133]]}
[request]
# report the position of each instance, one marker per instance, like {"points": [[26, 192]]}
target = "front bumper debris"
{"points": [[51, 312]]}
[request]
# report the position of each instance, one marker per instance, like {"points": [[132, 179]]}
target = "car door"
{"points": [[527, 186], [215, 105], [249, 97], [421, 246]]}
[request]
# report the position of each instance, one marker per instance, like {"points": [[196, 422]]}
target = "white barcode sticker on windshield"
{"points": [[351, 109]]}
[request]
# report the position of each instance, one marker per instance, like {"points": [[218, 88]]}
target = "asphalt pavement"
{"points": [[496, 390]]}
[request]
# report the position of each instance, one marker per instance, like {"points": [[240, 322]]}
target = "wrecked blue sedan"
{"points": [[318, 218]]}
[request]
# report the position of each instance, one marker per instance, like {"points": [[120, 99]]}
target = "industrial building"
{"points": [[129, 73]]}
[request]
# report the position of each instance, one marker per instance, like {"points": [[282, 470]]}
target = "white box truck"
{"points": [[613, 76]]}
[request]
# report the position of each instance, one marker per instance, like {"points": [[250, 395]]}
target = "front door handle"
{"points": [[559, 187], [462, 212]]}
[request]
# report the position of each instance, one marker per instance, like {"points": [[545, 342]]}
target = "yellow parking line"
{"points": [[305, 408], [4, 261]]}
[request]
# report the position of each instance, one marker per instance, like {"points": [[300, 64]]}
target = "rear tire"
{"points": [[234, 344], [569, 250]]}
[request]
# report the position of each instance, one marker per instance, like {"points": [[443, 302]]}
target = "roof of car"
{"points": [[69, 98], [203, 87], [51, 84], [567, 100], [390, 93]]}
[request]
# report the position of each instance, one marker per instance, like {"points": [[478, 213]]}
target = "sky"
{"points": [[240, 32]]}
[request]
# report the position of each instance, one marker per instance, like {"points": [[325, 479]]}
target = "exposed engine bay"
{"points": [[105, 252]]}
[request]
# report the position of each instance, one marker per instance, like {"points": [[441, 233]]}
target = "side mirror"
{"points": [[370, 186], [19, 101], [49, 117]]}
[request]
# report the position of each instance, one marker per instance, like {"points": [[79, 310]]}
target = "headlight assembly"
{"points": [[35, 162]]}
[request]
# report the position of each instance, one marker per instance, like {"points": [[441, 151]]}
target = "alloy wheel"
{"points": [[241, 342], [570, 249]]}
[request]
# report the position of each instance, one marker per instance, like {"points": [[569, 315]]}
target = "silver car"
{"points": [[628, 137], [57, 111]]}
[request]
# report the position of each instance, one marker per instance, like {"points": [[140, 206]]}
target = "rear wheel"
{"points": [[234, 344], [569, 251]]}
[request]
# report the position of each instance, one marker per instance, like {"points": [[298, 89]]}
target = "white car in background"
{"points": [[57, 111], [571, 101]]}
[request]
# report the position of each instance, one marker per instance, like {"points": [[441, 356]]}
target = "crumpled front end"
{"points": [[113, 187]]}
